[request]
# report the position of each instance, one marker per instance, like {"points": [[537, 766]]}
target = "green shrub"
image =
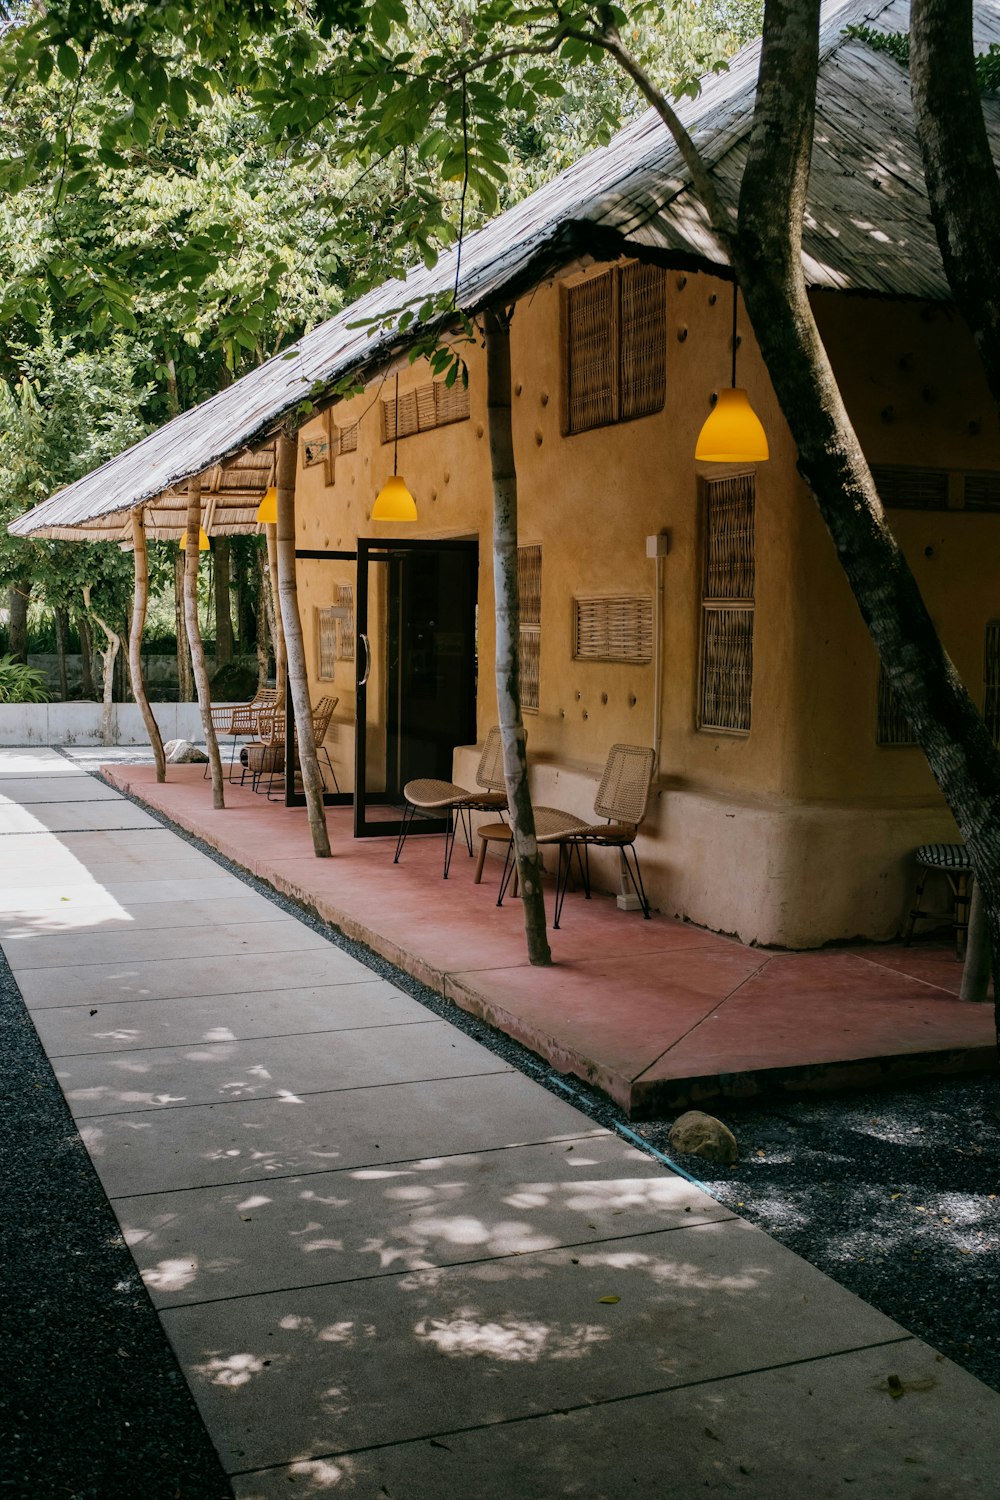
{"points": [[21, 684]]}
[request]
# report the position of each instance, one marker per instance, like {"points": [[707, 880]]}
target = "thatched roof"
{"points": [[867, 229]]}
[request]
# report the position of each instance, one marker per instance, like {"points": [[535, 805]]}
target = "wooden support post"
{"points": [[298, 680], [194, 636], [274, 618], [141, 560]]}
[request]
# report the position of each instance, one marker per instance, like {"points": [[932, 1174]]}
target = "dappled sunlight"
{"points": [[170, 1275], [470, 1334], [232, 1371], [316, 1476]]}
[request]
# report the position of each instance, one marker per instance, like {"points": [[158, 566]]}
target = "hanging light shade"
{"points": [[394, 502], [203, 542], [267, 510], [732, 433]]}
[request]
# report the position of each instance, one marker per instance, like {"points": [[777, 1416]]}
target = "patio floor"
{"points": [[658, 1014]]}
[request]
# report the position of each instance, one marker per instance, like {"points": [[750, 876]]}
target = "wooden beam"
{"points": [[141, 560], [194, 636]]}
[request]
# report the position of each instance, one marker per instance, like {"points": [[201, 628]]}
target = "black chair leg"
{"points": [[509, 867], [636, 878], [449, 839], [408, 812]]}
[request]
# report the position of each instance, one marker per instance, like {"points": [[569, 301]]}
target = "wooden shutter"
{"points": [[893, 726], [529, 591], [728, 586], [617, 628], [642, 340], [326, 644], [591, 355]]}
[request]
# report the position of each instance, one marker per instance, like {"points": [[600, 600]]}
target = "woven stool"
{"points": [[952, 861]]}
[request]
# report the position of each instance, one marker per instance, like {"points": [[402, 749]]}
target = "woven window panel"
{"points": [[906, 487], [347, 438], [451, 402], [726, 670], [893, 725], [729, 538], [406, 415], [326, 644], [642, 339], [982, 492], [591, 360], [991, 679], [426, 408], [345, 625], [529, 659], [613, 629], [529, 584]]}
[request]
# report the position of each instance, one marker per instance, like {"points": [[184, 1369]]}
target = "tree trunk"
{"points": [[312, 779], [515, 763], [263, 613], [274, 619], [17, 634], [141, 599], [962, 181], [62, 632], [108, 658], [194, 637], [956, 742], [87, 686], [223, 604], [185, 675]]}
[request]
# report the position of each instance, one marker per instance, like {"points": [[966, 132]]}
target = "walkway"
{"points": [[392, 1266], [657, 1014]]}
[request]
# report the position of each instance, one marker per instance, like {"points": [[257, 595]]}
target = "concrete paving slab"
{"points": [[205, 940], [69, 919], [285, 1067], [56, 789], [374, 1221], [72, 817], [814, 1431], [306, 1372], [65, 870], [76, 885], [68, 1031], [177, 977], [28, 761], [261, 1140]]}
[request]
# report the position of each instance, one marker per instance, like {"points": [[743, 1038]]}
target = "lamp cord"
{"points": [[395, 424], [734, 335]]}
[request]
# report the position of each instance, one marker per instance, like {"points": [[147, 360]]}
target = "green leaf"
{"points": [[44, 66], [67, 61]]}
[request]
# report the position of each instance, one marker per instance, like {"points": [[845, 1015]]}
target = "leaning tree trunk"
{"points": [[87, 685], [298, 680], [62, 632], [194, 637], [223, 604], [962, 181], [185, 675], [515, 763], [768, 257], [139, 603], [274, 619], [17, 633]]}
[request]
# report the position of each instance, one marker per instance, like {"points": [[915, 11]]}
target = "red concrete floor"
{"points": [[658, 1014]]}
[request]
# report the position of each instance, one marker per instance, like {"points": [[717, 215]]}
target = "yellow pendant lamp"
{"points": [[394, 501], [203, 542], [732, 433], [267, 510]]}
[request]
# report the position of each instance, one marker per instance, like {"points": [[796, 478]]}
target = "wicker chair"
{"points": [[621, 799], [240, 721], [266, 757], [953, 862], [434, 799]]}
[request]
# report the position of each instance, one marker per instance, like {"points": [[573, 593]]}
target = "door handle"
{"points": [[368, 662]]}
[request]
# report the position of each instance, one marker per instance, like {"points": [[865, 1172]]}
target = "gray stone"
{"points": [[182, 752], [697, 1134]]}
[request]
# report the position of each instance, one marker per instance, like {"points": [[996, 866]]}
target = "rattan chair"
{"points": [[266, 757], [434, 799], [240, 721], [621, 799], [953, 862]]}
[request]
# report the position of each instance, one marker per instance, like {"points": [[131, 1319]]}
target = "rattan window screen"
{"points": [[910, 487], [725, 678], [615, 347], [991, 679], [347, 438], [423, 409], [529, 593], [618, 628], [893, 726], [326, 644], [345, 622]]}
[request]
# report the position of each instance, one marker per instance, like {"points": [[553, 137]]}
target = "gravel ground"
{"points": [[894, 1195]]}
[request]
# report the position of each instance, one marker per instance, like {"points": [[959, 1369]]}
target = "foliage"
{"points": [[21, 684], [897, 45]]}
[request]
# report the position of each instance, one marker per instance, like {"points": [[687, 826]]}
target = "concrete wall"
{"points": [[80, 723], [800, 831]]}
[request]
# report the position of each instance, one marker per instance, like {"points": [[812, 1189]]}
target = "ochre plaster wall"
{"points": [[798, 832]]}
